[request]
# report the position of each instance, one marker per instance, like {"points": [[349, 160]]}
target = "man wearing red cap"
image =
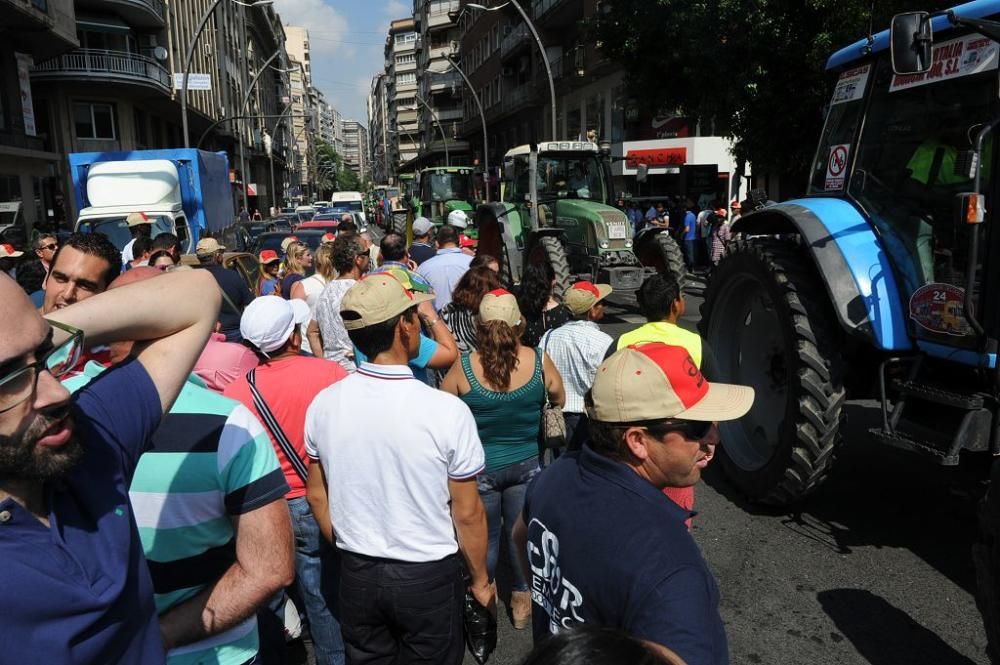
{"points": [[631, 564]]}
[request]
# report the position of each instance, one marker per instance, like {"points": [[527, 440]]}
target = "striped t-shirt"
{"points": [[209, 460]]}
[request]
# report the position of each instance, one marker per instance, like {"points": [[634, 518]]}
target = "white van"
{"points": [[352, 201]]}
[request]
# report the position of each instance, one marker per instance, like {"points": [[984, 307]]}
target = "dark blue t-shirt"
{"points": [[79, 591], [239, 297], [631, 564]]}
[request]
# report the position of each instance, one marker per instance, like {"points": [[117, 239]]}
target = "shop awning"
{"points": [[656, 157], [102, 24]]}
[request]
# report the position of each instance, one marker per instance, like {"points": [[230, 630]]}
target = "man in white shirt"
{"points": [[577, 348], [447, 267], [397, 495]]}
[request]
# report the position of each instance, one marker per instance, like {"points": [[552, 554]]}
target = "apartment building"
{"points": [[378, 134], [401, 51], [439, 92], [30, 31], [356, 148]]}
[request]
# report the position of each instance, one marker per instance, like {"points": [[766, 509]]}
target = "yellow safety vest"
{"points": [[667, 333]]}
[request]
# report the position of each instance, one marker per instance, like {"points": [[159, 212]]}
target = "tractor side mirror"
{"points": [[910, 37]]}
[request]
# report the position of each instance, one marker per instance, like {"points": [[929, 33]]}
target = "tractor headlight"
{"points": [[604, 244], [628, 243]]}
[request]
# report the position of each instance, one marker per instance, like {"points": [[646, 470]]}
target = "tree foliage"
{"points": [[333, 175], [754, 67]]}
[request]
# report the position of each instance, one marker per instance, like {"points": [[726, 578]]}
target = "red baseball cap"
{"points": [[654, 381], [269, 256], [9, 251]]}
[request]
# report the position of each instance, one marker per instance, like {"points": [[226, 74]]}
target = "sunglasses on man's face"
{"points": [[692, 430], [50, 247]]}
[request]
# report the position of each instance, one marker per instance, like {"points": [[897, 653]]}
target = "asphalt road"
{"points": [[874, 568]]}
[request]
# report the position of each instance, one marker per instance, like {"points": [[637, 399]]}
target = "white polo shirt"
{"points": [[388, 445]]}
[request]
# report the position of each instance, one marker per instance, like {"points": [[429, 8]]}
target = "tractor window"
{"points": [[906, 172], [831, 163], [570, 177], [516, 190]]}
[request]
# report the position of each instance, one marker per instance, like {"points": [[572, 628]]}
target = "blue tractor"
{"points": [[878, 281]]}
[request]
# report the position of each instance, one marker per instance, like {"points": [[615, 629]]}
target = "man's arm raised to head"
{"points": [[170, 317]]}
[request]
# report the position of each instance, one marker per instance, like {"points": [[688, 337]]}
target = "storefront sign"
{"points": [[251, 189], [24, 65], [951, 59], [656, 157], [836, 166], [851, 85]]}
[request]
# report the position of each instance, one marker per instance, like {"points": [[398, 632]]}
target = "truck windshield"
{"points": [[116, 228], [445, 187], [905, 174]]}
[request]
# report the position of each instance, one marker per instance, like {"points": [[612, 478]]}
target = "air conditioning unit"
{"points": [[455, 46]]}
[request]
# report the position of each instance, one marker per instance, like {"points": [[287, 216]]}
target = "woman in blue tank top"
{"points": [[505, 387]]}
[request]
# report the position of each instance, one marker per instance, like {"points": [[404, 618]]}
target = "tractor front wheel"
{"points": [[660, 252], [764, 318], [549, 250]]}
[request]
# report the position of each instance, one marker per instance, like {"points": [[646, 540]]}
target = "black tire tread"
{"points": [[556, 254], [672, 257], [817, 381]]}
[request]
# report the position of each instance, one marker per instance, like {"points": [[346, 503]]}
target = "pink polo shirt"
{"points": [[223, 362]]}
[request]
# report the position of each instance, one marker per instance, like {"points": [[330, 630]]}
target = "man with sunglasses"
{"points": [[74, 568], [631, 564], [31, 275]]}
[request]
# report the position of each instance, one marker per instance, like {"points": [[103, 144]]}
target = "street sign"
{"points": [[195, 81]]}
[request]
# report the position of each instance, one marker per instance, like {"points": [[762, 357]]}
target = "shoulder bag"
{"points": [[278, 434], [553, 422]]}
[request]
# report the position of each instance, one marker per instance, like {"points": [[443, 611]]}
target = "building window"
{"points": [[94, 121], [406, 59], [408, 77], [406, 38]]}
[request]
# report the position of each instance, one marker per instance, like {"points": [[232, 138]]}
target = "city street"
{"points": [[874, 568]]}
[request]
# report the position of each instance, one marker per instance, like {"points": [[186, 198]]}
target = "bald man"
{"points": [[74, 570], [232, 548]]}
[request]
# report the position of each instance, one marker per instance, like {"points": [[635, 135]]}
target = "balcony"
{"points": [[520, 97], [514, 41], [437, 14], [442, 82], [557, 13], [136, 13], [112, 66]]}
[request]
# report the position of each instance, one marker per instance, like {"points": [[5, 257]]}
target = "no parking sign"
{"points": [[836, 166]]}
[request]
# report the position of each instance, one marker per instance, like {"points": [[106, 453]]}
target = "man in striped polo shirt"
{"points": [[207, 501]]}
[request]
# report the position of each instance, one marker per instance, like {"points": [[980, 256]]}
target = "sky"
{"points": [[347, 38]]}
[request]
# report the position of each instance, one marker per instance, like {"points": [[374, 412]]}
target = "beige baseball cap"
{"points": [[654, 381], [286, 242], [137, 218], [208, 246], [8, 251], [377, 298], [583, 295], [500, 305]]}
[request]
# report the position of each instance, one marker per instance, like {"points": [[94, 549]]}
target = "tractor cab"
{"points": [[444, 189]]}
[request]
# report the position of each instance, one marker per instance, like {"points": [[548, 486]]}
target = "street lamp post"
{"points": [[434, 116], [482, 117], [541, 51], [189, 57]]}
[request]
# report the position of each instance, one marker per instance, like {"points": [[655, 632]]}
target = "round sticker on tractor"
{"points": [[940, 308]]}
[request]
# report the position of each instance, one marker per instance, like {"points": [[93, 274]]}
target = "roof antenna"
{"points": [[867, 48]]}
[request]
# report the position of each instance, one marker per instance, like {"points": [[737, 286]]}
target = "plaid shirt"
{"points": [[577, 349]]}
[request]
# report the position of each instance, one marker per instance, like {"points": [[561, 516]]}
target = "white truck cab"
{"points": [[353, 201]]}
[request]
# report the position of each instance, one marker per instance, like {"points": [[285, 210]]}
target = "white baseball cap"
{"points": [[458, 219], [268, 321]]}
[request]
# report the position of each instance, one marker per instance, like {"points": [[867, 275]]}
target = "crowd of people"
{"points": [[702, 231], [192, 468]]}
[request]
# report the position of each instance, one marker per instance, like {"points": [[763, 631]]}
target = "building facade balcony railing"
{"points": [[514, 40], [84, 64], [543, 7], [136, 13], [520, 97]]}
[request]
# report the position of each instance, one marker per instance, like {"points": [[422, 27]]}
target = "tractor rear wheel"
{"points": [[549, 250], [763, 319], [398, 224], [661, 252], [491, 243]]}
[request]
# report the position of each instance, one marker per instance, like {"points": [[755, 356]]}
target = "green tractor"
{"points": [[444, 189], [556, 208]]}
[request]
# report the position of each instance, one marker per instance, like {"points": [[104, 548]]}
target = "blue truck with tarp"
{"points": [[181, 191], [882, 281]]}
